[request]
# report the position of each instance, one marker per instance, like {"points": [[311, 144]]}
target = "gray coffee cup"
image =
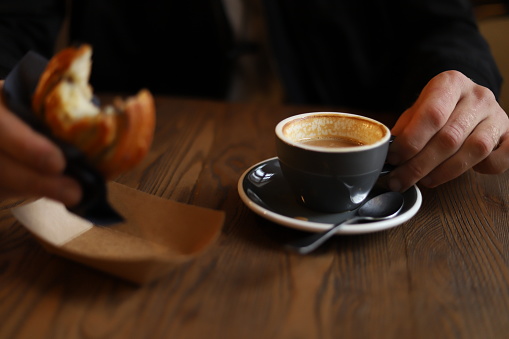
{"points": [[331, 160]]}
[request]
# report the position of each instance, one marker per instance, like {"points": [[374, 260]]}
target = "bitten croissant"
{"points": [[114, 138]]}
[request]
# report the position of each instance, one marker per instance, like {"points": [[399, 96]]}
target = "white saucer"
{"points": [[265, 191]]}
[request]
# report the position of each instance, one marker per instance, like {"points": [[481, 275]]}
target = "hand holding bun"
{"points": [[114, 138]]}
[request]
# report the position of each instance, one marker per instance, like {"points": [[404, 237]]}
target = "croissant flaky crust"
{"points": [[114, 138]]}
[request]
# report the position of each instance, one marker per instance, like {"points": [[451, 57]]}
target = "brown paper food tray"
{"points": [[158, 234]]}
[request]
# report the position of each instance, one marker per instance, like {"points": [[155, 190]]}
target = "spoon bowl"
{"points": [[384, 206]]}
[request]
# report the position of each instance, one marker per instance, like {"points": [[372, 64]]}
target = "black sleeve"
{"points": [[374, 54], [443, 35], [28, 25]]}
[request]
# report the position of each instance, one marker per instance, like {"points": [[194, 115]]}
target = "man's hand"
{"points": [[31, 165], [453, 126]]}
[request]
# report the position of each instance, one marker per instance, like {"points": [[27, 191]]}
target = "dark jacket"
{"points": [[372, 54], [375, 53]]}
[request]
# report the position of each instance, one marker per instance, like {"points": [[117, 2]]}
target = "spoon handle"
{"points": [[309, 243]]}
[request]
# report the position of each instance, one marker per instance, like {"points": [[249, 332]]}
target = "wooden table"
{"points": [[443, 274]]}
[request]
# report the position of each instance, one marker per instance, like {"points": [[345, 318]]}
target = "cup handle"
{"points": [[388, 167]]}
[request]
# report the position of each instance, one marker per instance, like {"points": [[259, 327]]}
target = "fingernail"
{"points": [[394, 184], [53, 163], [70, 193]]}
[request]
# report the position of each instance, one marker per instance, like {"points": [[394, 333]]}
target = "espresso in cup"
{"points": [[331, 142], [331, 160]]}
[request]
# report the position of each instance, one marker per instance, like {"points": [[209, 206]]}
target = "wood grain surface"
{"points": [[442, 274]]}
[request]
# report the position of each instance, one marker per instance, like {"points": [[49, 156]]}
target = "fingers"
{"points": [[477, 147], [30, 164], [454, 126], [17, 180], [425, 135], [498, 161], [421, 122], [20, 142]]}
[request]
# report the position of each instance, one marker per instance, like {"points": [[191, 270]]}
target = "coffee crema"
{"points": [[331, 142]]}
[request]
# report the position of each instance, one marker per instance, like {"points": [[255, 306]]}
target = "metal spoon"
{"points": [[380, 207]]}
